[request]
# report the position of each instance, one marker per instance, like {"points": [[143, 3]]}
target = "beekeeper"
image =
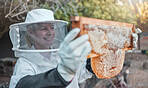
{"points": [[46, 57]]}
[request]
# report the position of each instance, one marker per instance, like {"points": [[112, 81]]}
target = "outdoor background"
{"points": [[134, 74]]}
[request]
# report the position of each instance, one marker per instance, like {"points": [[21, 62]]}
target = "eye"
{"points": [[43, 29], [52, 28]]}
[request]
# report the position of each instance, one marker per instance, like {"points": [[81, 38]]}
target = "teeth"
{"points": [[47, 38]]}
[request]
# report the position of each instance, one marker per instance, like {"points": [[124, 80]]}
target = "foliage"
{"points": [[12, 11], [63, 9], [107, 10], [141, 10], [102, 9], [115, 10], [140, 7]]}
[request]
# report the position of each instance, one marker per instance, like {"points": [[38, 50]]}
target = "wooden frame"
{"points": [[78, 22]]}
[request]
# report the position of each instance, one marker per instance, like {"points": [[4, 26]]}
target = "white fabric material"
{"points": [[138, 30], [72, 53], [25, 66], [15, 37], [39, 15], [135, 37]]}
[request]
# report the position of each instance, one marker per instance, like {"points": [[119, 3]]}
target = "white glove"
{"points": [[135, 37], [72, 53]]}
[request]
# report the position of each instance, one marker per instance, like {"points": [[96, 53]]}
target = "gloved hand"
{"points": [[135, 37], [72, 53]]}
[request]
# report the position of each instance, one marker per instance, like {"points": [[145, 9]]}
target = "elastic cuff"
{"points": [[62, 79], [64, 74]]}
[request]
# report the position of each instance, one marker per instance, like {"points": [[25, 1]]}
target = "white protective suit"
{"points": [[35, 69], [32, 64]]}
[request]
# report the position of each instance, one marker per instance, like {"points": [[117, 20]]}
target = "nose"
{"points": [[49, 33]]}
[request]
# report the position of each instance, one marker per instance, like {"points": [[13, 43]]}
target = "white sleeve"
{"points": [[22, 68], [83, 73]]}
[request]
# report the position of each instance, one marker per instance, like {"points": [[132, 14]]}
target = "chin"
{"points": [[47, 45]]}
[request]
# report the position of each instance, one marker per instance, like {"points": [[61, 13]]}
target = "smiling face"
{"points": [[42, 35]]}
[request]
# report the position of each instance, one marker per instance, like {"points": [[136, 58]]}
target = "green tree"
{"points": [[141, 9], [13, 11], [63, 9], [107, 10]]}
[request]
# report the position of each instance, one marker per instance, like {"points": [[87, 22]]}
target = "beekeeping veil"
{"points": [[39, 28]]}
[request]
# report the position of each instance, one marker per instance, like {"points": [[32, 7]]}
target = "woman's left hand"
{"points": [[135, 37]]}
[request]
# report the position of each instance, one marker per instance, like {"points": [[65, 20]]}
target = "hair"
{"points": [[31, 27]]}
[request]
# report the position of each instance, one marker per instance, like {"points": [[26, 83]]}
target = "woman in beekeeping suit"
{"points": [[46, 57]]}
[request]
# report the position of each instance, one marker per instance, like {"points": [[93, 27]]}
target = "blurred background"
{"points": [[134, 73]]}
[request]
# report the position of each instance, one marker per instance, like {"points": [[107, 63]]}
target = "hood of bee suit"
{"points": [[40, 30]]}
